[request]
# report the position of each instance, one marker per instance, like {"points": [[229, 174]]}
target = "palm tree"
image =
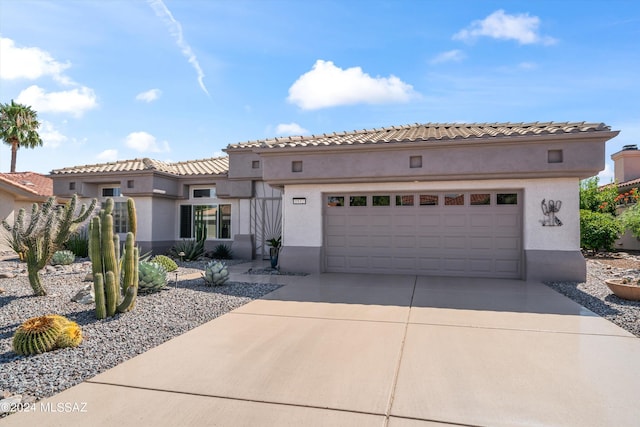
{"points": [[18, 128]]}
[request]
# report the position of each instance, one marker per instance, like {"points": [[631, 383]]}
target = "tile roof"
{"points": [[630, 183], [34, 183], [210, 166], [426, 132]]}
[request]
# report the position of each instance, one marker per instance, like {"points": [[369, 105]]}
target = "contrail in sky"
{"points": [[176, 31]]}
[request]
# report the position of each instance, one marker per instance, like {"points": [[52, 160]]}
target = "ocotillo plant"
{"points": [[104, 250], [49, 227]]}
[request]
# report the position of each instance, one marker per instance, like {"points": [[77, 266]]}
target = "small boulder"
{"points": [[85, 295], [8, 403], [7, 275]]}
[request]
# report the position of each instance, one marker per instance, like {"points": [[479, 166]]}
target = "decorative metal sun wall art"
{"points": [[550, 209]]}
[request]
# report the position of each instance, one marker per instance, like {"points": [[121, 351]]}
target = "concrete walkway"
{"points": [[371, 350]]}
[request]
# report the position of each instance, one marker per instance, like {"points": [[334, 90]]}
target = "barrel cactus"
{"points": [[152, 277], [70, 336], [215, 273], [63, 258], [168, 264], [46, 333]]}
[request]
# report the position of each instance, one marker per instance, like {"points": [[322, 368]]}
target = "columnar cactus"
{"points": [[104, 251], [215, 273], [46, 232]]}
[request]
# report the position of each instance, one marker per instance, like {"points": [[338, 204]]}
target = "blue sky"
{"points": [[181, 79]]}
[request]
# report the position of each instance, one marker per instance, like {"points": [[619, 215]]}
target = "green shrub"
{"points": [[222, 251], [630, 220], [63, 258], [166, 262], [598, 230], [78, 243], [598, 199], [188, 250]]}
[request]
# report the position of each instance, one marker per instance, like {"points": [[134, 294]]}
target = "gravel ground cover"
{"points": [[156, 318], [596, 296]]}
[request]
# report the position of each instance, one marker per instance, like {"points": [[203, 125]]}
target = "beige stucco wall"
{"points": [[9, 208], [6, 213], [303, 223]]}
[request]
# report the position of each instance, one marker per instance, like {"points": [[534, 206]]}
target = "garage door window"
{"points": [[507, 198], [454, 199], [358, 201], [404, 200], [480, 199], [428, 200], [381, 200], [333, 201]]}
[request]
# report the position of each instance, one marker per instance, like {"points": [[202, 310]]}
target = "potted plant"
{"points": [[625, 288], [274, 250]]}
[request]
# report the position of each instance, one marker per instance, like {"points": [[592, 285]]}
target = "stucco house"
{"points": [[627, 176], [482, 199], [237, 208], [20, 190]]}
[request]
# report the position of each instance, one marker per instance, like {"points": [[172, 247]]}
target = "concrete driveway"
{"points": [[371, 350]]}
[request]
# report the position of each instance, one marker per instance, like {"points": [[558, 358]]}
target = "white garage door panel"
{"points": [[464, 240]]}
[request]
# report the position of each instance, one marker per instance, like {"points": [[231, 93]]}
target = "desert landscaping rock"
{"points": [[85, 295], [597, 297]]}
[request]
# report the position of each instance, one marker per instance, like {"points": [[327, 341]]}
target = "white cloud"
{"points": [[327, 86], [175, 28], [449, 56], [499, 25], [51, 137], [29, 63], [110, 155], [290, 129], [149, 96], [145, 142], [527, 65], [75, 101]]}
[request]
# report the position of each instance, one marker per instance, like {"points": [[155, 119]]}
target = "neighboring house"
{"points": [[627, 176], [489, 200], [173, 199], [20, 190]]}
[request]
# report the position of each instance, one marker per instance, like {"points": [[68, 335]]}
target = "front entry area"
{"points": [[454, 233]]}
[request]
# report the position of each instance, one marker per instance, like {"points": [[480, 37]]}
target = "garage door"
{"points": [[458, 233]]}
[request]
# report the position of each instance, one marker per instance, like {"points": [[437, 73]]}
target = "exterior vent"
{"points": [[630, 147]]}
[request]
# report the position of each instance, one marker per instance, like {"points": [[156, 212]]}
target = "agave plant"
{"points": [[152, 277], [188, 250], [215, 273], [63, 258], [222, 251]]}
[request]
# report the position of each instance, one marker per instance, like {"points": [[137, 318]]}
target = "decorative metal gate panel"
{"points": [[266, 218]]}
